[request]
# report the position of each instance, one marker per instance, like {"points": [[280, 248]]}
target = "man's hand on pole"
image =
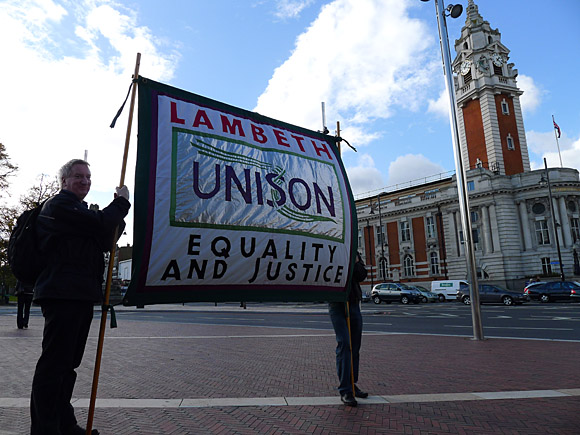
{"points": [[123, 191]]}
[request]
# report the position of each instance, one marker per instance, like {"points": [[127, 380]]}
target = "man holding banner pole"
{"points": [[347, 361], [73, 239]]}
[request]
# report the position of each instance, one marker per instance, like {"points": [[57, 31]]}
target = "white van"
{"points": [[447, 290]]}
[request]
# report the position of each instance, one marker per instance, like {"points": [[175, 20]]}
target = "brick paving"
{"points": [[151, 360]]}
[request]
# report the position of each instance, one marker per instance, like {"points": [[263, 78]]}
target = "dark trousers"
{"points": [[23, 314], [66, 328], [337, 312]]}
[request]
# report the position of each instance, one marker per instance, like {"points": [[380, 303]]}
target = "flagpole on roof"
{"points": [[557, 135], [106, 306]]}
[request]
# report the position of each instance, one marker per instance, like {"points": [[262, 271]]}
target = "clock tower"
{"points": [[491, 127]]}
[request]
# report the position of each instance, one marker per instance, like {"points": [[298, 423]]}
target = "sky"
{"points": [[376, 64]]}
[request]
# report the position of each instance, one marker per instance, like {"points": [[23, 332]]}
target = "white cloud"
{"points": [[410, 167], [364, 177], [440, 107], [55, 106], [532, 96], [291, 8], [364, 58], [543, 145]]}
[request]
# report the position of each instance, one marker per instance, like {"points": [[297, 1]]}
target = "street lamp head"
{"points": [[455, 10], [543, 182]]}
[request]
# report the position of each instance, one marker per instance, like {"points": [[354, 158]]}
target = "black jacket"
{"points": [[73, 239], [358, 275]]}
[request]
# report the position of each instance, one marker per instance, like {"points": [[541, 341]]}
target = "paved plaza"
{"points": [[170, 378]]}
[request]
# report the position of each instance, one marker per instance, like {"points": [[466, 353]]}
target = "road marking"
{"points": [[301, 401], [511, 327]]}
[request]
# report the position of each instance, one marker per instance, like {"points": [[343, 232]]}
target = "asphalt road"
{"points": [[555, 321]]}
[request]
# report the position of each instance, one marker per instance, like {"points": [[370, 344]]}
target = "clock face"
{"points": [[465, 67], [497, 59]]}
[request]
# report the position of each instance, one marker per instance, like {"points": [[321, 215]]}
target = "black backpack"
{"points": [[24, 257]]}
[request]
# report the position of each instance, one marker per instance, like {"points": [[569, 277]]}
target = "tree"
{"points": [[8, 215], [45, 188], [7, 169]]}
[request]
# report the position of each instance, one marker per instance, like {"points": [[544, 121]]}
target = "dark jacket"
{"points": [[358, 275], [73, 240]]}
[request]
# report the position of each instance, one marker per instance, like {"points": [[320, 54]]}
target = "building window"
{"points": [[538, 208], [405, 231], [430, 221], [467, 77], [408, 265], [505, 108], [474, 216], [361, 240], [434, 258], [575, 227], [510, 142], [542, 233], [380, 235], [383, 268], [546, 266], [470, 186], [474, 237]]}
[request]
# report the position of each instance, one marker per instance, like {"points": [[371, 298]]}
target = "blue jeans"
{"points": [[337, 312]]}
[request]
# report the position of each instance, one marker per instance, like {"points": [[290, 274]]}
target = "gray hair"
{"points": [[66, 169]]}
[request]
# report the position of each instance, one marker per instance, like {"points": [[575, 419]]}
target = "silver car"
{"points": [[395, 292]]}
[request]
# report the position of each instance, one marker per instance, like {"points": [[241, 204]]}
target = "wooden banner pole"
{"points": [[111, 262], [347, 303], [350, 345]]}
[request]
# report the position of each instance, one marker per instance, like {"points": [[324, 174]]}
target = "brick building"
{"points": [[413, 233]]}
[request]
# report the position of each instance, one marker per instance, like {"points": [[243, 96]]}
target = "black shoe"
{"points": [[25, 326], [20, 327], [348, 399], [359, 393], [77, 430]]}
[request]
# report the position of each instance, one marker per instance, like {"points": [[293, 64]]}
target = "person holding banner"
{"points": [[338, 316], [73, 239]]}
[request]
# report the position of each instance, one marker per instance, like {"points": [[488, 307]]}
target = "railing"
{"points": [[405, 185]]}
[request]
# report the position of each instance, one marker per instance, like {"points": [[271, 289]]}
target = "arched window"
{"points": [[434, 260], [384, 268], [409, 265]]}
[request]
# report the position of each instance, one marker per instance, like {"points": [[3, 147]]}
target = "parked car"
{"points": [[531, 284], [552, 291], [493, 294], [575, 294], [366, 295], [447, 290], [395, 292], [426, 295]]}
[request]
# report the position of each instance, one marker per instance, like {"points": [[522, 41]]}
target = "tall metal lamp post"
{"points": [[554, 223], [455, 11], [370, 257], [382, 259]]}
